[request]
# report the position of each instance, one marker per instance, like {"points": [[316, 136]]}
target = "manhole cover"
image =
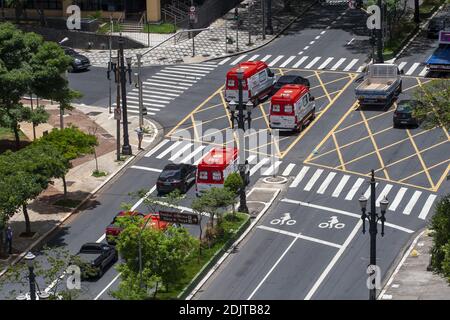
{"points": [[93, 113], [275, 180], [107, 135]]}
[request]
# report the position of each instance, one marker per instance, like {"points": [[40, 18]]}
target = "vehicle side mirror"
{"points": [[312, 99], [402, 71]]}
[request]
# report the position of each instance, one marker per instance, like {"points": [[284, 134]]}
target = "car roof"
{"points": [[173, 166], [290, 76]]}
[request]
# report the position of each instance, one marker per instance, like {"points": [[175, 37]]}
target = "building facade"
{"points": [[115, 8]]}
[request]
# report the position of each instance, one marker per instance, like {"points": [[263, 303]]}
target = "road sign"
{"points": [[177, 217]]}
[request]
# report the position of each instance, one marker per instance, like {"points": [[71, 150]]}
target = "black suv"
{"points": [[176, 176], [79, 61], [289, 79], [403, 114]]}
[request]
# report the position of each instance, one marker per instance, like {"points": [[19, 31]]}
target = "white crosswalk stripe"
{"points": [[253, 58], [224, 61], [383, 194], [367, 193], [288, 60], [169, 149], [288, 169], [337, 64], [274, 61], [258, 166], [412, 69], [299, 62], [351, 64], [180, 152], [427, 206], [159, 146], [313, 62], [424, 72], [354, 189], [273, 168], [401, 65], [236, 61], [299, 177], [398, 198], [340, 186], [185, 68], [267, 57], [313, 180], [412, 202], [325, 63], [323, 187], [188, 158]]}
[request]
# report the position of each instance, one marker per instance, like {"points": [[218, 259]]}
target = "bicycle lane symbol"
{"points": [[285, 219], [332, 223]]}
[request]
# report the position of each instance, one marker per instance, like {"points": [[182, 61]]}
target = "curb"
{"points": [[400, 264], [234, 245], [76, 209]]}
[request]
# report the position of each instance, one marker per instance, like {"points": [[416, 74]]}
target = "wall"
{"points": [[212, 10]]}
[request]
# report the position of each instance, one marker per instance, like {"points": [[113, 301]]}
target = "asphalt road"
{"points": [[327, 166]]}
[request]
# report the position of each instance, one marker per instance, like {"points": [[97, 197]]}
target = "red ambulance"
{"points": [[257, 82], [291, 107], [215, 168]]}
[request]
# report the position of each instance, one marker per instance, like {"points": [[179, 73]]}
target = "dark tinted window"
{"points": [[405, 106], [89, 248], [175, 174]]}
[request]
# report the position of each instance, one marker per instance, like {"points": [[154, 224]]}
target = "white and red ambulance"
{"points": [[215, 167], [257, 82], [291, 107]]}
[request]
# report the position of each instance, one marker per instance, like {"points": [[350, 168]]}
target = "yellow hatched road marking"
{"points": [[420, 158], [341, 159], [323, 86], [421, 171]]}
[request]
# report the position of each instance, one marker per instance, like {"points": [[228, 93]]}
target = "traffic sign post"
{"points": [[177, 217]]}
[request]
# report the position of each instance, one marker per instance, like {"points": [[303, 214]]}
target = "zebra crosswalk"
{"points": [[166, 85], [333, 184], [322, 63]]}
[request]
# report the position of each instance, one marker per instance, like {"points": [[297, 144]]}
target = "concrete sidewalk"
{"points": [[411, 280], [213, 43], [44, 214]]}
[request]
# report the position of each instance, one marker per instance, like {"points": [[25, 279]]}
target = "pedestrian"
{"points": [[9, 238], [140, 134]]}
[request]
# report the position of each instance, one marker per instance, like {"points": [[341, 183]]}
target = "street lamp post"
{"points": [[117, 110], [142, 109], [380, 35], [236, 15], [29, 258], [269, 27], [243, 169], [240, 77], [110, 61], [373, 219], [126, 147]]}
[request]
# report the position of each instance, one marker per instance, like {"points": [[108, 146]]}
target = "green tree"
{"points": [[434, 104], [440, 224], [234, 184], [71, 142]]}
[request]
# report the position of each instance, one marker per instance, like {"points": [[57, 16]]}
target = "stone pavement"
{"points": [[43, 212], [413, 281], [212, 43]]}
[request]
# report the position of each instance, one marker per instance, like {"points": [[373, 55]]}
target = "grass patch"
{"points": [[99, 174], [402, 32], [7, 140], [196, 263], [160, 28], [67, 203]]}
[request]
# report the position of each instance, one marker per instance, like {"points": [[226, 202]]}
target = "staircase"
{"points": [[131, 26], [176, 12]]}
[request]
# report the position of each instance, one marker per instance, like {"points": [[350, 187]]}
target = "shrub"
{"points": [[440, 223]]}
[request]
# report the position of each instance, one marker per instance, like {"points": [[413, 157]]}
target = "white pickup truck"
{"points": [[381, 85]]}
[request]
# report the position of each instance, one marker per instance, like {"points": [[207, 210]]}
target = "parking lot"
{"points": [[365, 138]]}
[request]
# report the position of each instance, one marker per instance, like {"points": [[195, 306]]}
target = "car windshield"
{"points": [[286, 79], [70, 51], [171, 173], [405, 107], [89, 249]]}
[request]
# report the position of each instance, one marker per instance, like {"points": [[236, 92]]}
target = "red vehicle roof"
{"points": [[156, 221], [289, 93], [219, 158], [249, 67]]}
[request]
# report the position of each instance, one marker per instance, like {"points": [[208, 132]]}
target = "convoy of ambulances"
{"points": [[257, 82], [215, 167], [291, 107]]}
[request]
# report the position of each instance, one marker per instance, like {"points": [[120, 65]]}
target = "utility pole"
{"points": [[110, 57], [263, 9], [126, 147], [236, 16], [142, 109], [117, 111], [269, 17]]}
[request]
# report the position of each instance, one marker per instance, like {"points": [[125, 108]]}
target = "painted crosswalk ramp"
{"points": [[166, 85]]}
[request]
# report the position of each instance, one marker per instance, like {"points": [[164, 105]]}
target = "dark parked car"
{"points": [[289, 79], [436, 24], [94, 258], [403, 113], [79, 62], [113, 230], [176, 176]]}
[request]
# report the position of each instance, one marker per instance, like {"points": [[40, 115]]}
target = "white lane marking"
{"points": [[251, 158], [313, 180], [345, 213], [170, 82], [424, 72], [401, 66], [354, 189], [397, 199], [288, 60], [316, 38], [273, 168], [351, 64], [412, 202], [361, 68], [224, 61], [306, 48], [333, 261], [165, 152], [273, 268], [207, 150], [427, 206], [337, 64], [133, 93], [238, 59], [185, 68], [198, 67], [156, 148], [412, 69], [266, 58], [323, 32], [164, 85], [150, 100], [313, 62], [170, 94], [323, 187], [299, 235], [253, 58], [348, 43], [329, 27], [299, 177], [107, 287], [177, 76], [192, 154], [103, 237], [383, 194], [288, 169], [146, 168], [299, 62], [300, 53], [312, 42], [340, 186], [258, 165], [173, 78], [367, 193], [185, 73], [180, 152], [274, 61], [325, 63]]}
